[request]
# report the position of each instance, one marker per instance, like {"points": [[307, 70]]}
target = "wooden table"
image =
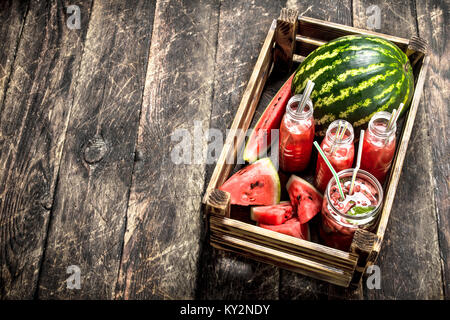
{"points": [[86, 123]]}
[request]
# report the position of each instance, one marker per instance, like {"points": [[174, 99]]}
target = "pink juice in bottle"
{"points": [[340, 153], [296, 136], [379, 146]]}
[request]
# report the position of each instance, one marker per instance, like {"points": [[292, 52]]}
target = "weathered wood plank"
{"points": [[161, 246], [243, 26], [33, 125], [89, 214], [409, 258], [292, 285], [434, 24], [12, 18]]}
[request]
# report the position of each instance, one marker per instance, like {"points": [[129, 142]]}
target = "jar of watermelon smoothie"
{"points": [[340, 153], [296, 136], [379, 146], [360, 210]]}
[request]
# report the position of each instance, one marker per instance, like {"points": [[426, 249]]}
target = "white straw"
{"points": [[339, 136], [358, 161], [391, 119], [395, 117], [306, 93]]}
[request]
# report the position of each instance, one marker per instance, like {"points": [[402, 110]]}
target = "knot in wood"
{"points": [[95, 150]]}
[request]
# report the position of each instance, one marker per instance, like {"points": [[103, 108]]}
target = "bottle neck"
{"points": [[378, 126], [347, 136], [291, 108]]}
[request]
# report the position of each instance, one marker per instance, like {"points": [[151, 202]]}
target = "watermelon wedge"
{"points": [[306, 200], [275, 214], [260, 139], [291, 227], [256, 184]]}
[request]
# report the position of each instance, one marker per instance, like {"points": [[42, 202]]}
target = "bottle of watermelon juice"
{"points": [[340, 218], [340, 153], [296, 136], [379, 146]]}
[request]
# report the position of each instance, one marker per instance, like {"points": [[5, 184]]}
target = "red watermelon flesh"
{"points": [[275, 214], [291, 227], [260, 139], [306, 200], [256, 184]]}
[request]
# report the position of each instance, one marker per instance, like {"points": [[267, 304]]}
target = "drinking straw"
{"points": [[336, 137], [394, 117], [331, 169], [358, 161], [391, 118], [338, 130], [339, 136], [306, 93]]}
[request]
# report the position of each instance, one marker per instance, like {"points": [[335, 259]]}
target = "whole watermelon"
{"points": [[355, 76]]}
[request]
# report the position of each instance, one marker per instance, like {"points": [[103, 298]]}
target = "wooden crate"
{"points": [[290, 39]]}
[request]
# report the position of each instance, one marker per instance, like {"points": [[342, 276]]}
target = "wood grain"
{"points": [[243, 27], [89, 214], [12, 17], [75, 200], [433, 22], [33, 124], [410, 245], [164, 219]]}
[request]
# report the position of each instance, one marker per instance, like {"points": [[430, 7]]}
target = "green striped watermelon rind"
{"points": [[355, 76]]}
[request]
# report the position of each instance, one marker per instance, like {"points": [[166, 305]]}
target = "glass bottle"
{"points": [[340, 153], [379, 146], [296, 136]]}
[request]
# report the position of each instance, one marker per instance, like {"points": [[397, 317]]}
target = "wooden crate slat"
{"points": [[283, 260], [284, 242], [326, 31]]}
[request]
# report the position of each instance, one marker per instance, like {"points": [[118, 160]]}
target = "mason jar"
{"points": [[341, 218]]}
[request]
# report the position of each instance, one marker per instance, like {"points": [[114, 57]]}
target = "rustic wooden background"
{"points": [[86, 179]]}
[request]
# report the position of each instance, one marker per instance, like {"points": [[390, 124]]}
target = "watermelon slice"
{"points": [[275, 214], [260, 139], [305, 199], [291, 227], [256, 184]]}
